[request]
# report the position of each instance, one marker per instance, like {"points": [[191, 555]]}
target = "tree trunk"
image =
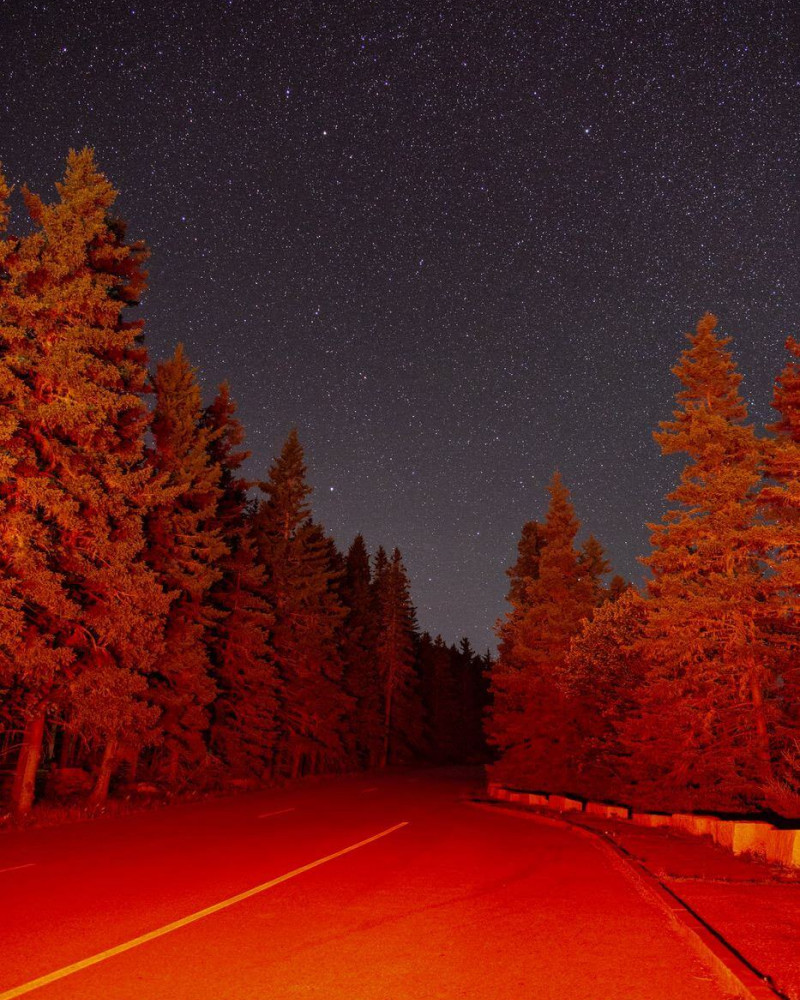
{"points": [[23, 790], [100, 791]]}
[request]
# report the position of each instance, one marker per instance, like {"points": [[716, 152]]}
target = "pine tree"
{"points": [[530, 721], [603, 673], [470, 671], [359, 636], [593, 562], [34, 603], [439, 696], [526, 568], [73, 378], [302, 592], [185, 548], [617, 587], [244, 711], [704, 723], [402, 722], [779, 501]]}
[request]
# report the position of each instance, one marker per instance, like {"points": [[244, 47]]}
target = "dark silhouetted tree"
{"points": [[244, 710], [302, 591], [359, 637], [185, 549], [402, 721]]}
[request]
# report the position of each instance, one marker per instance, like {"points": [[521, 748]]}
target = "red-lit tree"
{"points": [[779, 501], [703, 729], [531, 722], [185, 549], [526, 568], [73, 378], [593, 562], [302, 593], [244, 710], [603, 674]]}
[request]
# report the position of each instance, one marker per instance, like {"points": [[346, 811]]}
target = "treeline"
{"points": [[159, 621], [686, 695]]}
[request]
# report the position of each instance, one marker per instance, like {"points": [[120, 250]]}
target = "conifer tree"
{"points": [[779, 500], [704, 722], [617, 587], [529, 552], [73, 377], [472, 695], [34, 603], [593, 562], [531, 721], [359, 636], [302, 592], [402, 722], [603, 673], [185, 548], [244, 711]]}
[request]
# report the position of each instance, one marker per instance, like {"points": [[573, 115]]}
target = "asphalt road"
{"points": [[460, 902]]}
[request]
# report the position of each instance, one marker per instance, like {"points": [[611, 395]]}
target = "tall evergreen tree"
{"points": [[526, 568], [185, 547], [73, 378], [244, 710], [779, 501], [603, 674], [593, 562], [704, 722], [443, 713], [359, 636], [402, 722], [530, 721], [302, 592]]}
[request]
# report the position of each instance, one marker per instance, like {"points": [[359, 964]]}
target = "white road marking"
{"points": [[85, 963], [16, 868], [278, 812]]}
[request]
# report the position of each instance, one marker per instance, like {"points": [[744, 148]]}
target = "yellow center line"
{"points": [[85, 963]]}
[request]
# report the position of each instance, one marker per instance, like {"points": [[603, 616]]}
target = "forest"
{"points": [[168, 625], [684, 695], [165, 624]]}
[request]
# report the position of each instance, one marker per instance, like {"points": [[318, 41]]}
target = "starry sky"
{"points": [[456, 244]]}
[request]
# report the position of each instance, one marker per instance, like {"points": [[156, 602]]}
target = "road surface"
{"points": [[397, 888]]}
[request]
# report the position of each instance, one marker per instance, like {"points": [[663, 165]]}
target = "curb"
{"points": [[732, 971], [741, 836]]}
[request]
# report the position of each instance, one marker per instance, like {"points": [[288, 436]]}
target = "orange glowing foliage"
{"points": [[779, 501], [532, 721], [184, 550], [76, 486], [703, 728]]}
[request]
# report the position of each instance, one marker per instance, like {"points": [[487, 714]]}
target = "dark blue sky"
{"points": [[456, 245]]}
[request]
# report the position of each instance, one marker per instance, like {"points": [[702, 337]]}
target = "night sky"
{"points": [[456, 245]]}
